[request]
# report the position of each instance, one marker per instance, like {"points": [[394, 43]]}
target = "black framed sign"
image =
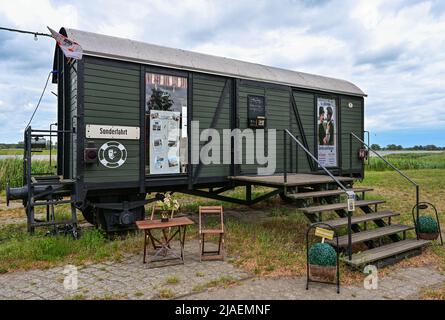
{"points": [[256, 111]]}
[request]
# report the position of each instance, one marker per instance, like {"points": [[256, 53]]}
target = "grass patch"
{"points": [[165, 293], [199, 274], [172, 280], [274, 244], [21, 251], [433, 294], [224, 282]]}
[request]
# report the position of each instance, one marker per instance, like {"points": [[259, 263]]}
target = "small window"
{"points": [[166, 123]]}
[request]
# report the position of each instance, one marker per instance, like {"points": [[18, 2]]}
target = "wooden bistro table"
{"points": [[177, 225]]}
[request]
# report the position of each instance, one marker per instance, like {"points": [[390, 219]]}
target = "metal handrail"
{"points": [[353, 135], [349, 193]]}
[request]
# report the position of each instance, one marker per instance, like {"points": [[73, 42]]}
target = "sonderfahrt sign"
{"points": [[95, 131]]}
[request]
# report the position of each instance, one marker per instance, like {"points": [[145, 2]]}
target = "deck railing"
{"points": [[350, 194], [411, 181]]}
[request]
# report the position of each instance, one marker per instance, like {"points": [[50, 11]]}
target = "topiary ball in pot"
{"points": [[322, 254], [322, 262], [427, 228]]}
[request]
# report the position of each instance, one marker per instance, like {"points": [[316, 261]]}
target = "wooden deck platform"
{"points": [[293, 180]]}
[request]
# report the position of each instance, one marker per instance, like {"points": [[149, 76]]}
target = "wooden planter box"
{"points": [[428, 236], [322, 273]]}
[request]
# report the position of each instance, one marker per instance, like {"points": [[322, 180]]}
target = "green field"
{"points": [[409, 161]]}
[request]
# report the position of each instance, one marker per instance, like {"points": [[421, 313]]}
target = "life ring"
{"points": [[112, 154]]}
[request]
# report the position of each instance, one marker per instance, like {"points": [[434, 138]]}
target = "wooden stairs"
{"points": [[378, 240]]}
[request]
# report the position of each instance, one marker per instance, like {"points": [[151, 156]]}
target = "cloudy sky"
{"points": [[393, 50]]}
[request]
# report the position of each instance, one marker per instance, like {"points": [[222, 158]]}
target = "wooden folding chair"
{"points": [[167, 231], [218, 231]]}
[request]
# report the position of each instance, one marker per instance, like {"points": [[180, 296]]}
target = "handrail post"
{"points": [[296, 156], [351, 207], [350, 154], [349, 235], [417, 211], [285, 158]]}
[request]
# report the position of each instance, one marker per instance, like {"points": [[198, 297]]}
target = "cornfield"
{"points": [[409, 161], [12, 170]]}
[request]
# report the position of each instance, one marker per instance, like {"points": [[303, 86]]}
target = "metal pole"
{"points": [[296, 156], [417, 210], [50, 142], [285, 156], [350, 154], [349, 235]]}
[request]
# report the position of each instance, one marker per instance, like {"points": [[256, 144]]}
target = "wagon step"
{"points": [[342, 222], [339, 206], [370, 234], [395, 251], [324, 193]]}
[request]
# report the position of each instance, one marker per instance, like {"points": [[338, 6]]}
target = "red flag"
{"points": [[70, 48]]}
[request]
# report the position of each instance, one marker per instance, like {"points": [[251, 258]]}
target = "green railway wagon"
{"points": [[127, 115]]}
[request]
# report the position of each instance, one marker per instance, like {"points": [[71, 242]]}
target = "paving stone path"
{"points": [[405, 284], [129, 279]]}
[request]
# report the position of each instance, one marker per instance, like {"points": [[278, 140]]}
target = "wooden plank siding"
{"points": [[351, 121], [206, 92], [112, 97], [277, 115], [305, 106], [243, 91]]}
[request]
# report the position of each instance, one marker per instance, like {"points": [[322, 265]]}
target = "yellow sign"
{"points": [[324, 233]]}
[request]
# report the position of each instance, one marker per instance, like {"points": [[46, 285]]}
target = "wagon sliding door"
{"points": [[212, 107], [166, 96]]}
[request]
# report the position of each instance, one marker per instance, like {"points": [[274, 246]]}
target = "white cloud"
{"points": [[38, 13], [393, 50]]}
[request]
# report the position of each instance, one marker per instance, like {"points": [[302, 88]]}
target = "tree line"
{"points": [[428, 147]]}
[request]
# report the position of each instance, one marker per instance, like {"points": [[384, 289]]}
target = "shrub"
{"points": [[322, 254], [427, 224]]}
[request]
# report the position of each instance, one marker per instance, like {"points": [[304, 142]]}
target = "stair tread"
{"points": [[385, 251], [324, 193], [337, 206], [341, 222], [370, 234]]}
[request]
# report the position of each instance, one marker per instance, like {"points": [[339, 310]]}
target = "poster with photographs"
{"points": [[327, 132], [164, 141]]}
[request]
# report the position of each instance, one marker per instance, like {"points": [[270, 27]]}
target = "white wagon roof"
{"points": [[99, 45]]}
